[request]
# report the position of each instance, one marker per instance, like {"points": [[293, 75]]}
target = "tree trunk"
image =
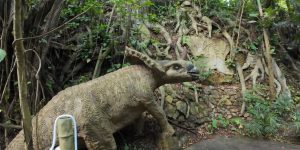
{"points": [[267, 53], [22, 83]]}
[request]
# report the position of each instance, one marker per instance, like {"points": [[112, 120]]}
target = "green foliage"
{"points": [[217, 123], [126, 147], [185, 40], [131, 5], [230, 63], [75, 7], [136, 42], [162, 12], [116, 67], [49, 84], [266, 116], [77, 80], [201, 63], [2, 54], [236, 121], [253, 46], [87, 42], [296, 121]]}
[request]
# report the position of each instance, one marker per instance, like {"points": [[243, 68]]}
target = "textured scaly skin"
{"points": [[101, 107]]}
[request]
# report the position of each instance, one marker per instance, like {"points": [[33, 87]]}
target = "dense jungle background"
{"points": [[248, 52]]}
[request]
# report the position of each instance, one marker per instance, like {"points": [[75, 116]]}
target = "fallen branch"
{"points": [[182, 127]]}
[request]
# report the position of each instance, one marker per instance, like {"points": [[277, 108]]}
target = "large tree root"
{"points": [[243, 84], [193, 12], [231, 43], [165, 34], [249, 61], [280, 81], [256, 72], [181, 52], [280, 77], [238, 68]]}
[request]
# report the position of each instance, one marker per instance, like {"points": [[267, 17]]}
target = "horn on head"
{"points": [[144, 58]]}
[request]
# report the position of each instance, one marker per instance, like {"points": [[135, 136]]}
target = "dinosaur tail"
{"points": [[18, 143]]}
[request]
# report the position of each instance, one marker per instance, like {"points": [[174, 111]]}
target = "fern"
{"points": [[268, 116], [254, 128], [296, 121]]}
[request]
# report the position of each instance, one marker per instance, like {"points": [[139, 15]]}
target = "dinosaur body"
{"points": [[101, 107]]}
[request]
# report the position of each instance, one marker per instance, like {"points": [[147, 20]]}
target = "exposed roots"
{"points": [[193, 13], [256, 72], [259, 70], [231, 43], [243, 84], [278, 87], [280, 77], [209, 24], [249, 61], [165, 34], [194, 23], [180, 51]]}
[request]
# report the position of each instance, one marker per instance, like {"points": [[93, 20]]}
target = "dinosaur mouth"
{"points": [[194, 73], [194, 76]]}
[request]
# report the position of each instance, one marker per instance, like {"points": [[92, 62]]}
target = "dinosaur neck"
{"points": [[153, 78], [145, 76]]}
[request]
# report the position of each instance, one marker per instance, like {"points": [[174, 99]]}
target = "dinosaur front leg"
{"points": [[99, 136], [157, 112], [140, 122], [96, 128]]}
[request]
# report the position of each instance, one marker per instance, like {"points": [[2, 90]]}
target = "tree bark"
{"points": [[22, 82], [267, 53]]}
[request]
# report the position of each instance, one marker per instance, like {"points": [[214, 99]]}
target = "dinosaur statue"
{"points": [[107, 104]]}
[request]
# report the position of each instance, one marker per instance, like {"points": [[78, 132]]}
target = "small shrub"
{"points": [[267, 116], [217, 123]]}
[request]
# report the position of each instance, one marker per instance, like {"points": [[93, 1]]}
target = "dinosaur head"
{"points": [[168, 71], [178, 71]]}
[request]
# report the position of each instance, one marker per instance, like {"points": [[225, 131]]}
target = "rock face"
{"points": [[215, 50], [211, 101], [241, 143]]}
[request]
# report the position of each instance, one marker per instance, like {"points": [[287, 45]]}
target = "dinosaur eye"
{"points": [[177, 67]]}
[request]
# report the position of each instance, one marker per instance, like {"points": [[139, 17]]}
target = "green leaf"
{"points": [[148, 3], [253, 14], [185, 40], [214, 123], [126, 147], [2, 54]]}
